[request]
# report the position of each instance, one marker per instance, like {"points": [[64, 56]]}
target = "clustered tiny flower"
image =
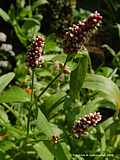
{"points": [[59, 66], [35, 52], [77, 34], [55, 139], [80, 126]]}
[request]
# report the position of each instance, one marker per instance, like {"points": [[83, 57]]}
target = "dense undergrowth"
{"points": [[60, 80]]}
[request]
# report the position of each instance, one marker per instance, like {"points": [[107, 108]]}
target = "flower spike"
{"points": [[80, 126], [35, 52], [76, 36]]}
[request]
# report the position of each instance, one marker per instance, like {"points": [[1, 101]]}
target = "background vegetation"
{"points": [[83, 87]]}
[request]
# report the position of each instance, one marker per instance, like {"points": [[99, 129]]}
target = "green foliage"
{"points": [[43, 151], [78, 76], [62, 152], [51, 44], [5, 80], [104, 85], [43, 127], [24, 15], [39, 3], [37, 111], [14, 94], [4, 15]]}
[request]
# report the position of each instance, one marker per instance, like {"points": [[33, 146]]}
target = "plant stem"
{"points": [[90, 64], [44, 90], [29, 112], [49, 85]]}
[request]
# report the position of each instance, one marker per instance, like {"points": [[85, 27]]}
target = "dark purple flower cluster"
{"points": [[35, 52], [81, 125], [77, 34]]}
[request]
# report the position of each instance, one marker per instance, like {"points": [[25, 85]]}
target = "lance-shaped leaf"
{"points": [[43, 152], [4, 15], [107, 88], [38, 3], [78, 76], [5, 80], [43, 125], [62, 152], [14, 94]]}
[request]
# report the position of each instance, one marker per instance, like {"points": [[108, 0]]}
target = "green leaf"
{"points": [[48, 57], [3, 115], [12, 131], [38, 3], [60, 58], [18, 133], [12, 13], [107, 123], [111, 51], [72, 109], [118, 27], [5, 80], [20, 3], [91, 106], [62, 152], [43, 73], [105, 71], [6, 145], [43, 125], [4, 15], [43, 152], [38, 17], [32, 31], [2, 155], [56, 108], [29, 23], [52, 100], [51, 44], [102, 139], [78, 76], [14, 94], [105, 86], [25, 12], [115, 128], [19, 33]]}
